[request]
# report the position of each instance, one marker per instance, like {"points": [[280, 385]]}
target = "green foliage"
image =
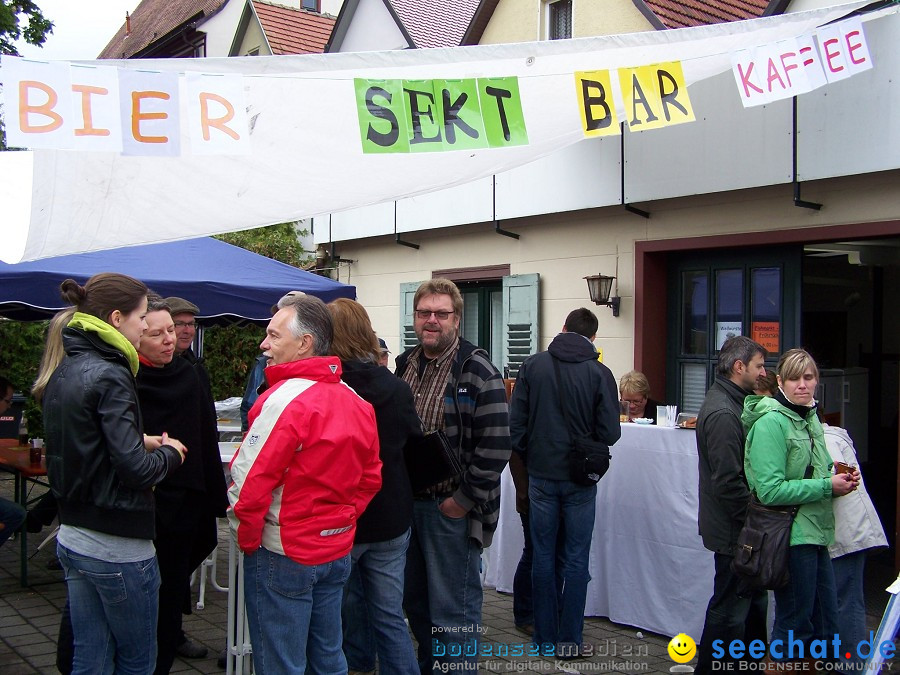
{"points": [[229, 353], [278, 242], [23, 344], [12, 15]]}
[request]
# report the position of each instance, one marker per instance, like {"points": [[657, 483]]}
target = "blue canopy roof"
{"points": [[226, 282]]}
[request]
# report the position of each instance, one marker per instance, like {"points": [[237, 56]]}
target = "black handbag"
{"points": [[763, 554], [588, 459], [763, 550]]}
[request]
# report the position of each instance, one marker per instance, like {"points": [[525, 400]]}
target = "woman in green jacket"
{"points": [[786, 463]]}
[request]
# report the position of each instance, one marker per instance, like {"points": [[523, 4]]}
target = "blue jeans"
{"points": [[114, 609], [12, 516], [555, 504], [294, 613], [730, 616], [373, 609], [851, 602], [443, 592], [523, 597], [807, 605]]}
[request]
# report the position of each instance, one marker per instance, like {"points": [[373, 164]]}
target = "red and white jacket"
{"points": [[308, 465]]}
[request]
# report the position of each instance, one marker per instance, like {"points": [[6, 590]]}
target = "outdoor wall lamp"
{"points": [[599, 287]]}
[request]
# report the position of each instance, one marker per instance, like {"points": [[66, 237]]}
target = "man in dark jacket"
{"points": [[542, 437], [457, 389], [724, 496]]}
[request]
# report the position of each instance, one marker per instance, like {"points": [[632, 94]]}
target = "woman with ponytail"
{"points": [[102, 470]]}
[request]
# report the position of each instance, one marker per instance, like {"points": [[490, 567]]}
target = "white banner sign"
{"points": [[798, 65], [235, 143]]}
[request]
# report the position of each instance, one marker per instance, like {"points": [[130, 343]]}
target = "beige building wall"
{"points": [[254, 38], [565, 247], [607, 18], [524, 20]]}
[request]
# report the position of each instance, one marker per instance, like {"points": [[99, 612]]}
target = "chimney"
{"points": [[127, 24]]}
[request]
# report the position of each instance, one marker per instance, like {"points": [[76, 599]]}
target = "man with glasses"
{"points": [[458, 390], [184, 315]]}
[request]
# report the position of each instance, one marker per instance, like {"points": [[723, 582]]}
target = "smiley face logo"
{"points": [[682, 648]]}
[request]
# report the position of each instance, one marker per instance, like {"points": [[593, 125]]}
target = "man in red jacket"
{"points": [[305, 472]]}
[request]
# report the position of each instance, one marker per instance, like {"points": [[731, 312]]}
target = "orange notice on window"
{"points": [[766, 333]]}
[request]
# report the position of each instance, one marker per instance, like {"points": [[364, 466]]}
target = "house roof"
{"points": [[293, 31], [153, 19], [435, 23], [686, 13]]}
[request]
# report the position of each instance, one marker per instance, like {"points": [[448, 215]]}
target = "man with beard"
{"points": [[173, 402], [458, 390]]}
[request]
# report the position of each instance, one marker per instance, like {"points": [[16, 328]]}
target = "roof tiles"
{"points": [[686, 13], [151, 20], [435, 23], [293, 31]]}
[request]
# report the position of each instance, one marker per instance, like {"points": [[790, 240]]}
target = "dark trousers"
{"points": [[523, 597], [173, 553], [730, 616]]}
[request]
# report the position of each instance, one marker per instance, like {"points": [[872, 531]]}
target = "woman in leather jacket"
{"points": [[102, 470]]}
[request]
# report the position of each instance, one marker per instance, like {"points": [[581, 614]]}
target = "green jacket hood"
{"points": [[756, 406]]}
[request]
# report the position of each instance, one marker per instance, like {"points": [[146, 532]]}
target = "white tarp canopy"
{"points": [[306, 154]]}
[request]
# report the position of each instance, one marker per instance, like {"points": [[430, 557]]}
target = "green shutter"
{"points": [[408, 338], [520, 319]]}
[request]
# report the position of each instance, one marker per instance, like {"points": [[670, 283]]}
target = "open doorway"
{"points": [[850, 324]]}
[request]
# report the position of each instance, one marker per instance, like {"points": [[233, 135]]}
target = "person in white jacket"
{"points": [[857, 528]]}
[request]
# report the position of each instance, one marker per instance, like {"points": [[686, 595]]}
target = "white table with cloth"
{"points": [[648, 566]]}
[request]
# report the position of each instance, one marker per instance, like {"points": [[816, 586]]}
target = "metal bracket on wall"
{"points": [[797, 201], [397, 238], [505, 233], [636, 211], [405, 243], [497, 228], [628, 207]]}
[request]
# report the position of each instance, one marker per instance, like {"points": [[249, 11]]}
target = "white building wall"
{"points": [[372, 29], [565, 247], [221, 28]]}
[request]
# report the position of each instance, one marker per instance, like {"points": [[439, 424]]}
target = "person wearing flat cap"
{"points": [[385, 353], [184, 313]]}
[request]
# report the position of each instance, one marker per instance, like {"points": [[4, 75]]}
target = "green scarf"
{"points": [[91, 324]]}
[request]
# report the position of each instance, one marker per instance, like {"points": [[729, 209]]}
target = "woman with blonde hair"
{"points": [[787, 464], [373, 596], [102, 470], [53, 352], [44, 511], [635, 389]]}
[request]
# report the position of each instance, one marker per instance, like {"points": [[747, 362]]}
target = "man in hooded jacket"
{"points": [[541, 436]]}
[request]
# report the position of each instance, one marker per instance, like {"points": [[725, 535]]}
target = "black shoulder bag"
{"points": [[763, 553], [588, 459]]}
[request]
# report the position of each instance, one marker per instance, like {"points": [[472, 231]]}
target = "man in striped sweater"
{"points": [[456, 389], [303, 475]]}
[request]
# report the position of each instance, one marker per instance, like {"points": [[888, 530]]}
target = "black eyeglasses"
{"points": [[187, 324], [7, 401], [440, 316]]}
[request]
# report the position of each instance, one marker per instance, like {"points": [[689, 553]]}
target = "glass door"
{"points": [[716, 295]]}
